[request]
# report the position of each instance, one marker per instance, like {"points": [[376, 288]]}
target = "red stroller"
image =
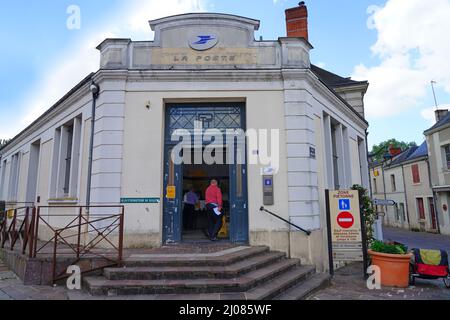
{"points": [[429, 264]]}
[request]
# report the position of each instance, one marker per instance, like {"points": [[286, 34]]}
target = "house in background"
{"points": [[419, 193], [405, 179], [438, 140], [395, 189], [378, 181]]}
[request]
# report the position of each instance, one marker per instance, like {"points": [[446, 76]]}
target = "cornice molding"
{"points": [[307, 75]]}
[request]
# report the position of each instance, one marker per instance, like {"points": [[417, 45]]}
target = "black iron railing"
{"points": [[288, 222]]}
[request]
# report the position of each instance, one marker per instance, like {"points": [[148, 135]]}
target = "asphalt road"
{"points": [[419, 240]]}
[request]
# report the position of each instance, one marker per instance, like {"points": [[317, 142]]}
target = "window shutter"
{"points": [[415, 173]]}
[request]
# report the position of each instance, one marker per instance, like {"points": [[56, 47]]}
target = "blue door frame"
{"points": [[221, 116]]}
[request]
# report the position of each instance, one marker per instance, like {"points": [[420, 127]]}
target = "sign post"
{"points": [[346, 227]]}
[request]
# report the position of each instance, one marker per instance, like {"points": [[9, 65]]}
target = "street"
{"points": [[419, 240]]}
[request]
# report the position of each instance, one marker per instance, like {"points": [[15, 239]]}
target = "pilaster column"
{"points": [[303, 192]]}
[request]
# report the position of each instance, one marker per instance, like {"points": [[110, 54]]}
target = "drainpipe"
{"points": [[367, 155], [384, 193], [406, 198], [95, 89], [436, 212]]}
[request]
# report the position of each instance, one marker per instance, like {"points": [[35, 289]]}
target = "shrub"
{"points": [[368, 212], [390, 248]]}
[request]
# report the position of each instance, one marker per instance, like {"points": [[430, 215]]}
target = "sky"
{"points": [[399, 46]]}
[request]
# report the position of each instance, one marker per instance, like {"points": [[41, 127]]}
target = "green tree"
{"points": [[379, 150]]}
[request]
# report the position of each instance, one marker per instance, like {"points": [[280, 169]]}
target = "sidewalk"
{"points": [[11, 288], [348, 284]]}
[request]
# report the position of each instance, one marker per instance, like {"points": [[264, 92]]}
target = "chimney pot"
{"points": [[297, 21]]}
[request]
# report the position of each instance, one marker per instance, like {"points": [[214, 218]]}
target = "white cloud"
{"points": [[77, 61], [429, 115], [321, 65], [413, 48]]}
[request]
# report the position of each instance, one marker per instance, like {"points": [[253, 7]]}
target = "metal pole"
{"points": [[36, 231], [55, 248], [121, 228], [79, 232], [434, 93], [31, 239], [95, 94], [330, 243]]}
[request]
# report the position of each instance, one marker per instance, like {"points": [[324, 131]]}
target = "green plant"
{"points": [[368, 212], [381, 247]]}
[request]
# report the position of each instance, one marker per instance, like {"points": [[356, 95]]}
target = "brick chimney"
{"points": [[297, 21], [393, 151], [440, 114]]}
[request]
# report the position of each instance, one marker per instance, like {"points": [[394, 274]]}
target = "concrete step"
{"points": [[194, 272], [189, 260], [304, 289], [102, 286], [281, 283]]}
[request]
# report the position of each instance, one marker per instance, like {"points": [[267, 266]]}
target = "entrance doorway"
{"points": [[434, 226], [181, 224], [196, 179]]}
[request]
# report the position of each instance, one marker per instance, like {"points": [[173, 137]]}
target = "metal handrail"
{"points": [[77, 222], [262, 209], [21, 228]]}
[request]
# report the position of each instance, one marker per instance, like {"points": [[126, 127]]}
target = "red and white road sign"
{"points": [[345, 220]]}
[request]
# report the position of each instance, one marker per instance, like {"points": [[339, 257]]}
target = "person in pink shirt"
{"points": [[214, 205]]}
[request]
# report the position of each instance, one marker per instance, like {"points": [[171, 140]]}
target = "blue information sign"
{"points": [[344, 204]]}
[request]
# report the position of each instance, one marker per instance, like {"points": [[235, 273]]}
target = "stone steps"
{"points": [[302, 290], [281, 283], [103, 286], [241, 273], [190, 260], [193, 272]]}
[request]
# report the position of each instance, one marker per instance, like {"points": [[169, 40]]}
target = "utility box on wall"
{"points": [[268, 191]]}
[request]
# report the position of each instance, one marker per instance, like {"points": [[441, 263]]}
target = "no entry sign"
{"points": [[345, 220]]}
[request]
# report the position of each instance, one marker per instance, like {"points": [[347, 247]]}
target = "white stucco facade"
{"points": [[322, 138]]}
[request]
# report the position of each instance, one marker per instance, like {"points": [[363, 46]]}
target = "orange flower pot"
{"points": [[394, 268]]}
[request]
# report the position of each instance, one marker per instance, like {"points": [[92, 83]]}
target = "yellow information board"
{"points": [[171, 192], [10, 213]]}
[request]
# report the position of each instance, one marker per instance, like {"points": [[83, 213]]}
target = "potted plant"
{"points": [[393, 260]]}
